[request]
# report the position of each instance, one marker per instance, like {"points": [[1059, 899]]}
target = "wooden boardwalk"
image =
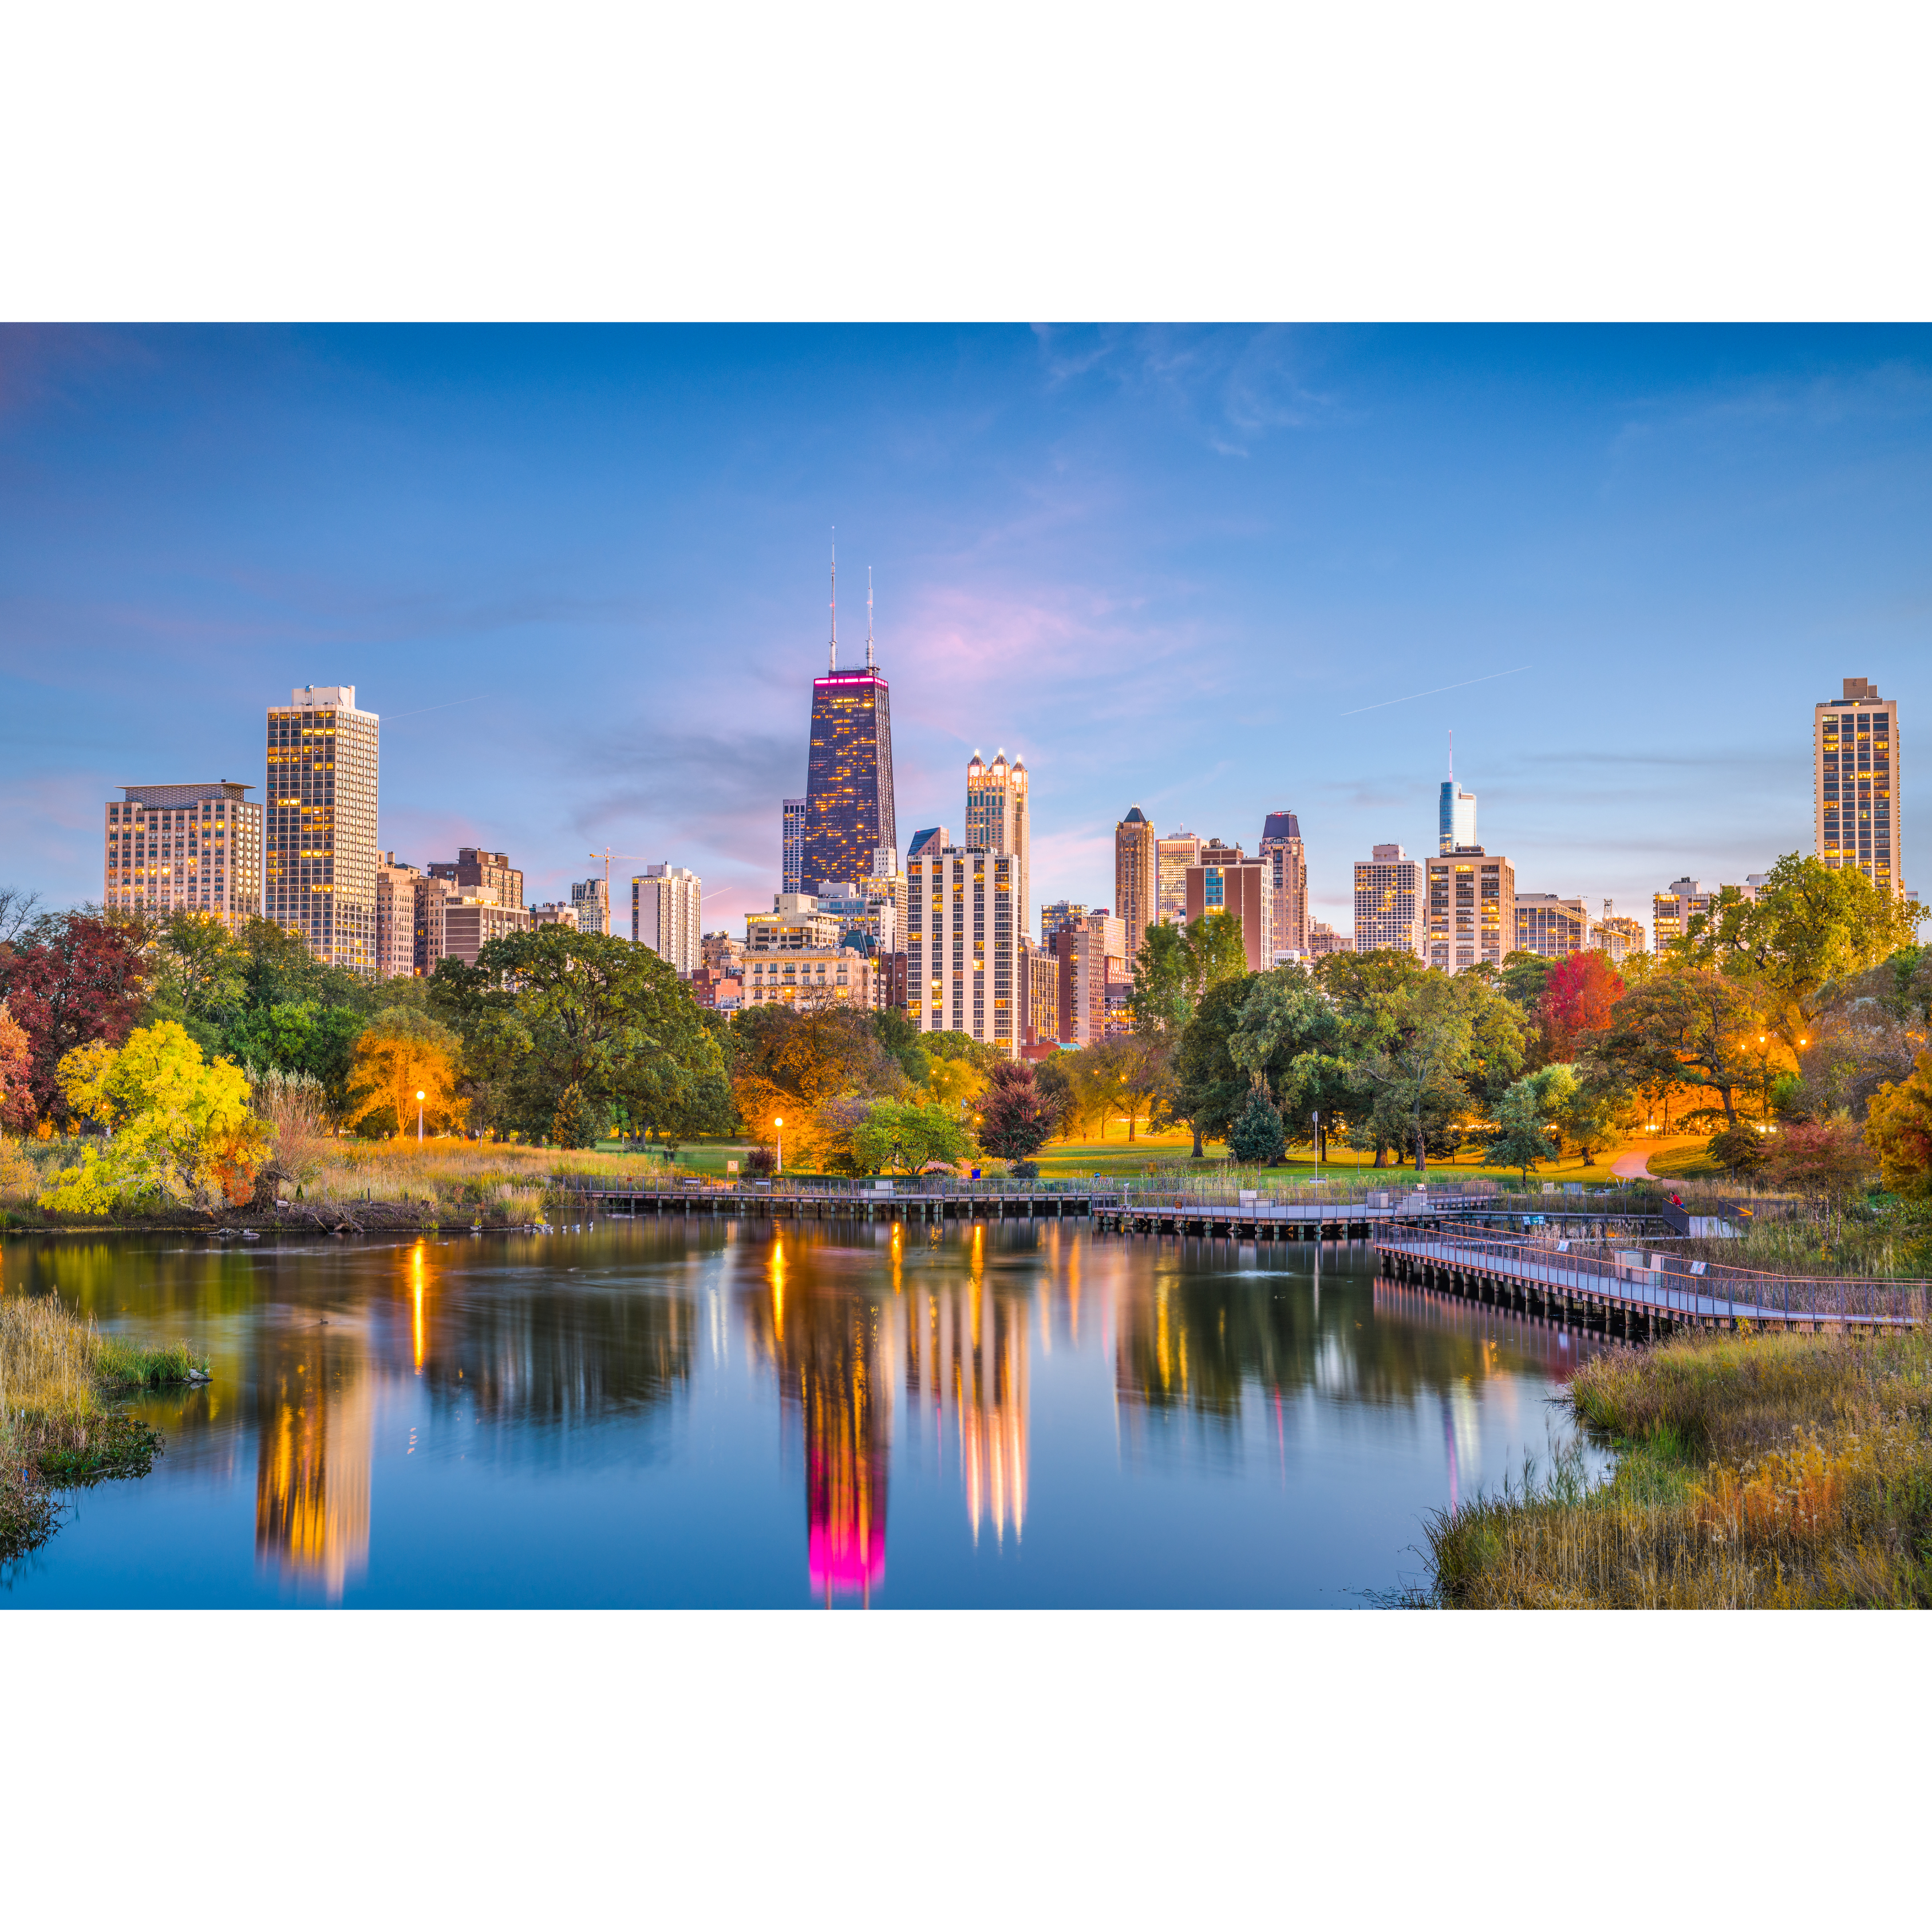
{"points": [[1639, 1296]]}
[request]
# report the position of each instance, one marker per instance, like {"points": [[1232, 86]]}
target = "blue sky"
{"points": [[581, 573]]}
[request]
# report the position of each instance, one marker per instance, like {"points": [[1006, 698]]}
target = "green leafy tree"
{"points": [[904, 1136], [1739, 1149], [1255, 1139], [1595, 1114], [1208, 1090], [1215, 952], [1687, 1028], [1525, 1131], [1163, 983], [1424, 1048], [196, 976], [1809, 925]]}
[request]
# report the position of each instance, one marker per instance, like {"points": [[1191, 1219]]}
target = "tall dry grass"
{"points": [[61, 1421], [1756, 1472], [494, 1181]]}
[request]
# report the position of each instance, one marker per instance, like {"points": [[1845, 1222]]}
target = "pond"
{"points": [[658, 1413]]}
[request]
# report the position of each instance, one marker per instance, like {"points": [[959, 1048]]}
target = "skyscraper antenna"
{"points": [[834, 646], [869, 617], [1452, 754]]}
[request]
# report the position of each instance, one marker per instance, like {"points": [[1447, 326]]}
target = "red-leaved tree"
{"points": [[1576, 1000], [71, 978], [1016, 1120]]}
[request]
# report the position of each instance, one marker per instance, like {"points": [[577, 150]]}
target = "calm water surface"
{"points": [[658, 1413]]}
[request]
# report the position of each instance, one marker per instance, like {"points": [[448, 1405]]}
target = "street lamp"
{"points": [[419, 1106], [779, 1122]]}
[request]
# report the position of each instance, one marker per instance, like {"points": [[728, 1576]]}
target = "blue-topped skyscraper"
{"points": [[848, 789], [1456, 819]]}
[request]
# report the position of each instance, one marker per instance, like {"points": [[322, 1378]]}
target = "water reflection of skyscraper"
{"points": [[314, 1442], [966, 1343]]}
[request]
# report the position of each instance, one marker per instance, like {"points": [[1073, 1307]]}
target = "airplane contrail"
{"points": [[1437, 692], [394, 716]]}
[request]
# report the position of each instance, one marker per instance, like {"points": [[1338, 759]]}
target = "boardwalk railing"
{"points": [[1694, 1290]]}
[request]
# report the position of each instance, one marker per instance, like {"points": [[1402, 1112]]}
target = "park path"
{"points": [[1633, 1163]]}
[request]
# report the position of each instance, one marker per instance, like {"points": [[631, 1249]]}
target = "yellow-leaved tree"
{"points": [[403, 1053], [178, 1127]]}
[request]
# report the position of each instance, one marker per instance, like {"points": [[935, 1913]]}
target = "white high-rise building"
{"points": [[395, 917], [1173, 856], [1390, 894], [996, 817], [1285, 884], [1456, 813], [1855, 784], [792, 845], [964, 914], [319, 830], [665, 910], [591, 898], [1471, 915]]}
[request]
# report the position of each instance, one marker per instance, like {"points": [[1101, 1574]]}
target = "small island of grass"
{"points": [[63, 1423]]}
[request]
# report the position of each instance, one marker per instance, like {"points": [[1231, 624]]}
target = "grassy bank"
{"points": [[62, 1386], [1766, 1471]]}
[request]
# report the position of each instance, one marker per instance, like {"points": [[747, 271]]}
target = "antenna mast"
{"points": [[834, 646], [868, 617], [1452, 754]]}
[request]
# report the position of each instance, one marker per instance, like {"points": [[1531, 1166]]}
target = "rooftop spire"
{"points": [[869, 617], [1452, 754], [834, 646]]}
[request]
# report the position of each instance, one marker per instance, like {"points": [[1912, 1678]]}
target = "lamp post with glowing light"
{"points": [[419, 1108], [779, 1123]]}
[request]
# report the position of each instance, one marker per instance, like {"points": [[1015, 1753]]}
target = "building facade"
{"points": [[1039, 993], [848, 801], [794, 924], [867, 911], [1455, 817], [1855, 784], [997, 819], [1470, 916], [470, 920], [556, 913], [591, 898], [482, 875], [1136, 877], [395, 917], [1323, 939], [1057, 917], [1173, 856], [1622, 935], [430, 895], [1092, 957], [319, 824], [184, 848], [964, 919], [1286, 860], [831, 976], [1391, 901], [1551, 927], [791, 844], [666, 915], [1226, 880]]}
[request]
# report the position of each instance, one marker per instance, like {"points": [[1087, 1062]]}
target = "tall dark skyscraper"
{"points": [[848, 790]]}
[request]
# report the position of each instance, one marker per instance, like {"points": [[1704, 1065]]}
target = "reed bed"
{"points": [[1759, 1471], [62, 1421], [472, 1180]]}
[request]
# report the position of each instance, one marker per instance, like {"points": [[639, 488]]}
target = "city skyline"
{"points": [[1109, 551]]}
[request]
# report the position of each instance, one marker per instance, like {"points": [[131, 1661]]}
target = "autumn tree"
{"points": [[1898, 1130], [1578, 995], [16, 1094], [182, 1128], [1016, 1119], [400, 1054], [70, 979]]}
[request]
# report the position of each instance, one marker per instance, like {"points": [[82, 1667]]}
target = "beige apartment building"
{"points": [[998, 819], [1622, 934], [1323, 939], [1173, 856], [667, 915], [1673, 910], [556, 913], [793, 925], [965, 915], [1040, 993], [1136, 877], [836, 975], [395, 917], [1551, 927], [1093, 961], [1391, 902], [319, 824], [184, 848], [1855, 784], [1470, 909], [470, 920]]}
